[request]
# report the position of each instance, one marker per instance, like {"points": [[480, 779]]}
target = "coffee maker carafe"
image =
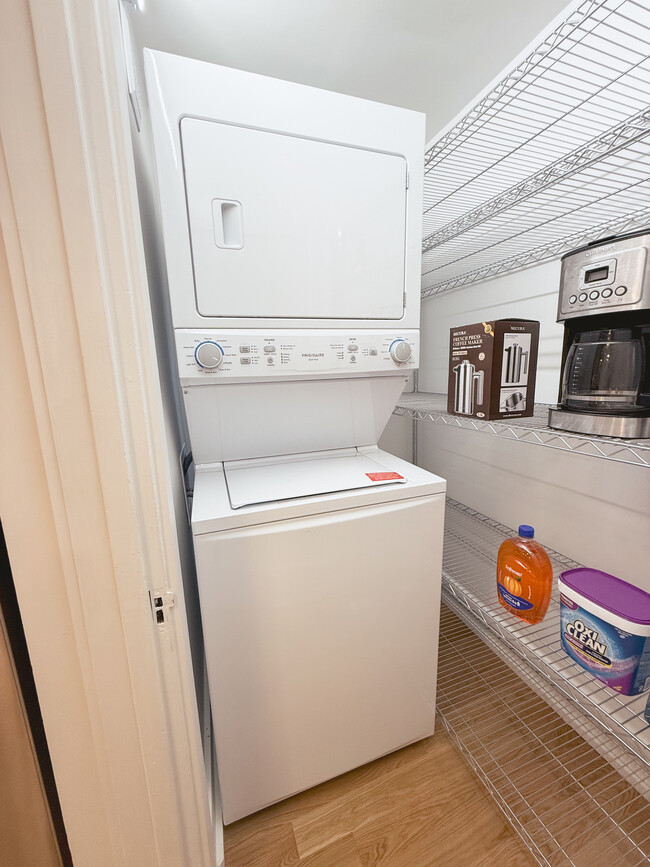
{"points": [[605, 306]]}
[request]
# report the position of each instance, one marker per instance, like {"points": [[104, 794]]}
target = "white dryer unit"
{"points": [[284, 203], [291, 223]]}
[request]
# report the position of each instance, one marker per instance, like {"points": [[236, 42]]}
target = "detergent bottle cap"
{"points": [[526, 531]]}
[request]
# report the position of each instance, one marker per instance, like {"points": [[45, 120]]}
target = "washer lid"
{"points": [[271, 479]]}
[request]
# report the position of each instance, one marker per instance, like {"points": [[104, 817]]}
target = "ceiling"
{"points": [[427, 55]]}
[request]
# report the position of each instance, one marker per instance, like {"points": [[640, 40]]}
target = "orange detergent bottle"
{"points": [[524, 576]]}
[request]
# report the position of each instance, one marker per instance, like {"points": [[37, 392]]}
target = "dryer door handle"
{"points": [[228, 219]]}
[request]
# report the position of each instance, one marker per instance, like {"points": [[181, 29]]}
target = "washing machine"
{"points": [[319, 583], [290, 221]]}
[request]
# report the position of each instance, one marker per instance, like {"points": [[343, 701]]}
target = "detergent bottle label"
{"points": [[512, 600]]}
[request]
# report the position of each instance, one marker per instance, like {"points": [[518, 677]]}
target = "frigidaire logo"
{"points": [[313, 354], [599, 251]]}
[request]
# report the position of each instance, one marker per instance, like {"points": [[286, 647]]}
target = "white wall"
{"points": [[427, 55], [593, 510], [528, 294]]}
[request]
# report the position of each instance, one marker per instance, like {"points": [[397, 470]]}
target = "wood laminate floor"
{"points": [[423, 805], [417, 807]]}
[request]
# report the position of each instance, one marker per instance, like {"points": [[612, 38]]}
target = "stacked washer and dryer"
{"points": [[291, 225]]}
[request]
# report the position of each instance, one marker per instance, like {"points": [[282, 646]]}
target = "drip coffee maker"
{"points": [[605, 306]]}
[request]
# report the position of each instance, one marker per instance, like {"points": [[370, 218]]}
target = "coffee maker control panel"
{"points": [[603, 277]]}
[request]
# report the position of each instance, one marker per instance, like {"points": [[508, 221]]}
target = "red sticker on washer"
{"points": [[383, 477]]}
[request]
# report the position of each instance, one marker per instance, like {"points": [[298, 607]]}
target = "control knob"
{"points": [[400, 351], [208, 354]]}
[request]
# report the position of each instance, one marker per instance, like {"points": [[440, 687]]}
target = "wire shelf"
{"points": [[567, 803], [555, 155], [421, 406], [469, 568]]}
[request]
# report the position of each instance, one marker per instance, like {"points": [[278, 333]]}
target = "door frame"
{"points": [[85, 497]]}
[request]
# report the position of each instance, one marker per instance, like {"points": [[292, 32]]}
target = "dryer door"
{"points": [[293, 228]]}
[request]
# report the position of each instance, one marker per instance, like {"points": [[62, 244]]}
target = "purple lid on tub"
{"points": [[610, 592]]}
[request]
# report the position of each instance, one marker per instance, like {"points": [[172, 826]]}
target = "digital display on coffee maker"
{"points": [[596, 274]]}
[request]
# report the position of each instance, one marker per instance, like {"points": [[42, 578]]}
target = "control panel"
{"points": [[246, 355], [612, 276]]}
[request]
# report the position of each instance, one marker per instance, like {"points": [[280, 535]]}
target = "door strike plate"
{"points": [[161, 602]]}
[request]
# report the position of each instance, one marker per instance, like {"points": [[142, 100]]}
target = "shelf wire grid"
{"points": [[471, 544], [567, 803], [616, 754], [422, 406], [556, 154]]}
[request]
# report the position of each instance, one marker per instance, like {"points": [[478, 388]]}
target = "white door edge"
{"points": [[83, 463]]}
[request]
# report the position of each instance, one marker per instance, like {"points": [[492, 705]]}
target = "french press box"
{"points": [[492, 368]]}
